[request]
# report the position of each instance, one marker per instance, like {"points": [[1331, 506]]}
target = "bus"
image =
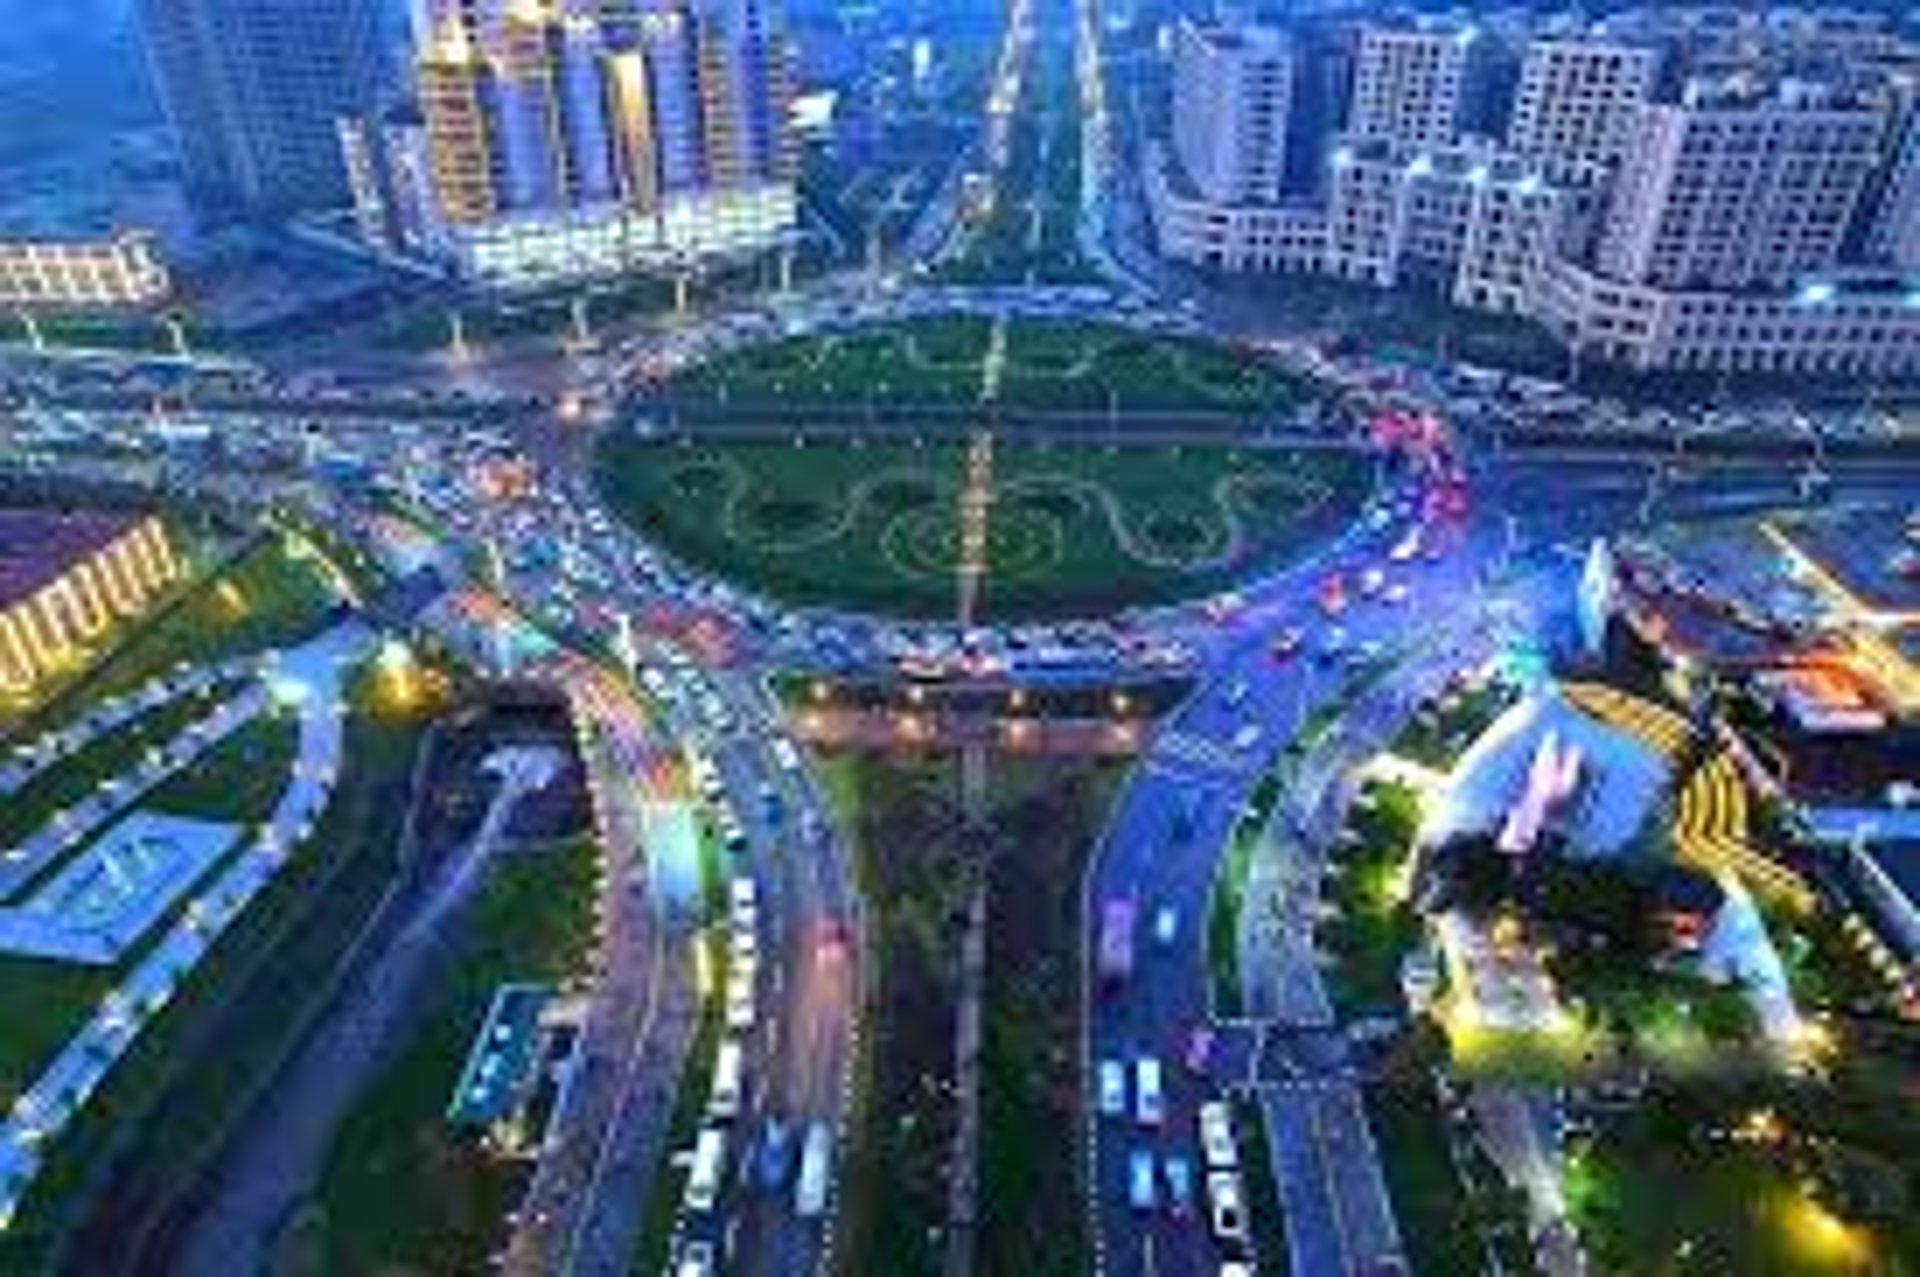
{"points": [[816, 1172]]}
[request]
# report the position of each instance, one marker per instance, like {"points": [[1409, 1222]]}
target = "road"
{"points": [[581, 1213]]}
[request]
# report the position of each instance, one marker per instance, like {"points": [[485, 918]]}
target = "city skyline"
{"points": [[951, 638]]}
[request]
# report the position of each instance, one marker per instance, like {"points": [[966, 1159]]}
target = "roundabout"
{"points": [[877, 528]]}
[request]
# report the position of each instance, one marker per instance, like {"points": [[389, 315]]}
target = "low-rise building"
{"points": [[66, 578], [122, 271]]}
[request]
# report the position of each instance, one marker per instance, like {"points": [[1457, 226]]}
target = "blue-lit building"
{"points": [[254, 90]]}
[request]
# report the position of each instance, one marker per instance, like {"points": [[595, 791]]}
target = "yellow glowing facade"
{"points": [[51, 628], [457, 135], [635, 131]]}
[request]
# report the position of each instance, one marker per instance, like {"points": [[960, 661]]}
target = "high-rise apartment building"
{"points": [[578, 137], [1231, 94], [1763, 218], [1893, 235], [253, 90], [1578, 103], [1409, 84], [1740, 185]]}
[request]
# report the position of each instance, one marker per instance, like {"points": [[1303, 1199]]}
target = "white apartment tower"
{"points": [[1231, 93], [1737, 188], [1409, 85], [1577, 103]]}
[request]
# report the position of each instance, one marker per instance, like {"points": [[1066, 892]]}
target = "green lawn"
{"points": [[1228, 897], [1373, 926], [1070, 533], [240, 780], [1826, 1200], [893, 1184], [404, 1192], [1269, 1224], [939, 362], [1048, 816], [41, 1003], [81, 772], [167, 1105], [1449, 1214]]}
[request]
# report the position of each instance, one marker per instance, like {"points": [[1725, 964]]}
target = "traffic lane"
{"points": [[1166, 999], [808, 1025]]}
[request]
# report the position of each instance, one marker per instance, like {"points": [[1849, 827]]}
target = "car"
{"points": [[1166, 926], [1199, 1050], [1237, 693], [1396, 594], [774, 1157], [1216, 1137], [1372, 582], [1143, 1190], [1222, 608], [696, 1259], [744, 903], [1179, 1186], [1287, 643], [1149, 1092], [815, 1180], [1229, 1206], [1113, 1089], [740, 1004], [1247, 737]]}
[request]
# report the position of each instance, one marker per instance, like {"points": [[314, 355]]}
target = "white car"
{"points": [[740, 1008], [1149, 1092], [1229, 1204], [744, 903], [1166, 926], [1113, 1089], [1216, 1137]]}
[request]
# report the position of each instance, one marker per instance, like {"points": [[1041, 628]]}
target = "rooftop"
{"points": [[38, 546]]}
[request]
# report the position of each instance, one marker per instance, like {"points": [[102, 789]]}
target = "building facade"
{"points": [[570, 140], [1409, 85], [1893, 239], [1232, 90], [252, 91], [1764, 218], [1740, 185], [118, 273], [1578, 103]]}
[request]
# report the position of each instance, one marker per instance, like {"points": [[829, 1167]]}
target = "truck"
{"points": [[1118, 918]]}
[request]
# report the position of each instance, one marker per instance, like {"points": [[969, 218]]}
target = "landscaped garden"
{"points": [[404, 1191], [877, 527], [942, 362]]}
